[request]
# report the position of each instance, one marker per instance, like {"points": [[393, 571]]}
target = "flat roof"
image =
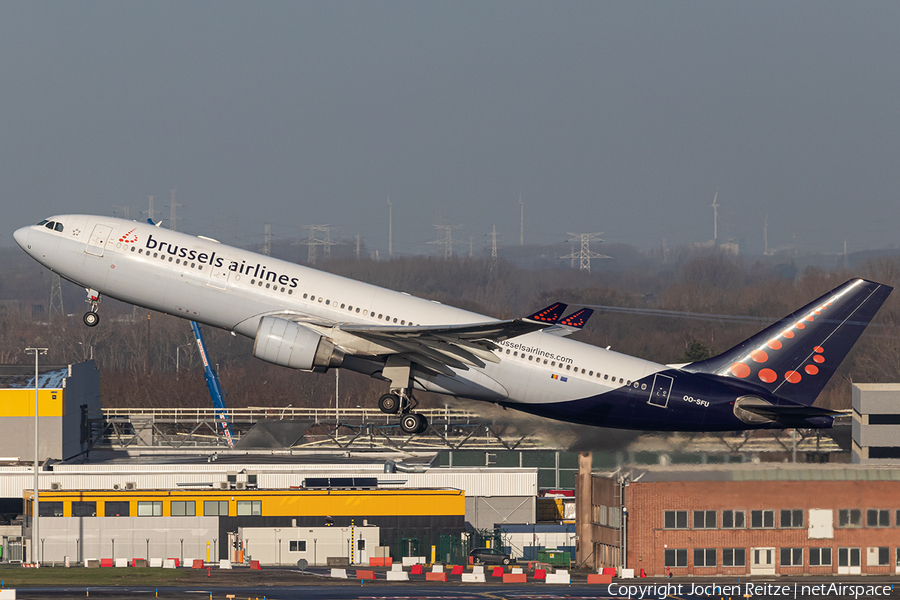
{"points": [[760, 472]]}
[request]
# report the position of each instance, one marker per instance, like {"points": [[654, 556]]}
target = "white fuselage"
{"points": [[203, 280]]}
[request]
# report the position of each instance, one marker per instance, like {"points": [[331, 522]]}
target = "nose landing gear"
{"points": [[91, 318]]}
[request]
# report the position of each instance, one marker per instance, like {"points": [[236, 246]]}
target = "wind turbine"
{"points": [[715, 208], [390, 227]]}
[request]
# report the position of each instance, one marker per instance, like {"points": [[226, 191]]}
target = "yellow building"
{"points": [[178, 523]]}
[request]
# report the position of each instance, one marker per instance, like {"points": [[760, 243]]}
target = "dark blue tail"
{"points": [[797, 356]]}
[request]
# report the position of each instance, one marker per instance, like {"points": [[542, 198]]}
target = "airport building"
{"points": [[752, 519], [876, 423], [68, 397]]}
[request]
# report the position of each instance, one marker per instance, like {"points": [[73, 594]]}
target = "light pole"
{"points": [[35, 510]]}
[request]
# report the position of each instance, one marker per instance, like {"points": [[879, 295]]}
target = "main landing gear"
{"points": [[91, 318], [400, 399]]}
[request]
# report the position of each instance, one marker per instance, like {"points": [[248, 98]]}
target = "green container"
{"points": [[557, 558]]}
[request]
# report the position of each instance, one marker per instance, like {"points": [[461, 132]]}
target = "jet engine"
{"points": [[289, 344]]}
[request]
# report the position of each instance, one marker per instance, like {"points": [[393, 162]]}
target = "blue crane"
{"points": [[215, 388]]}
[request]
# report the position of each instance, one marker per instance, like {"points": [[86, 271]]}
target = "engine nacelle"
{"points": [[288, 344]]}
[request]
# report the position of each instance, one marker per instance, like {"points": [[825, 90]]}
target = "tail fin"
{"points": [[796, 357]]}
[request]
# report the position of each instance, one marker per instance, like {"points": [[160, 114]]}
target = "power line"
{"points": [[173, 219], [446, 241], [314, 242], [585, 255], [56, 299]]}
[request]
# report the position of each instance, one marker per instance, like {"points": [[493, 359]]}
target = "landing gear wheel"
{"points": [[389, 404], [91, 319], [413, 423]]}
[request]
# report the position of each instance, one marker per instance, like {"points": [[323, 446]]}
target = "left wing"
{"points": [[440, 347]]}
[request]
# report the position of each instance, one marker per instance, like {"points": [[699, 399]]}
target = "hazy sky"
{"points": [[622, 117]]}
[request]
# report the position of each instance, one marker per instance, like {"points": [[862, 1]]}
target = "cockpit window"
{"points": [[59, 226], [44, 222], [50, 224]]}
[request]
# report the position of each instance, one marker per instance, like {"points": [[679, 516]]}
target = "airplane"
{"points": [[309, 320]]}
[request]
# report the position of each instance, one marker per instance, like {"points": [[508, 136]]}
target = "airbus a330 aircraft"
{"points": [[309, 320]]}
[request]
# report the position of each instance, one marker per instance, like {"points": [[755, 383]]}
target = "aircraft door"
{"points": [[218, 276], [659, 391], [97, 242]]}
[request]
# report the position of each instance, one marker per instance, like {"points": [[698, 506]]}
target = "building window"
{"points": [[248, 508], [878, 518], [118, 509], [734, 519], [704, 519], [734, 557], [183, 508], [848, 557], [879, 557], [762, 519], [297, 546], [149, 509], [84, 509], [50, 509], [675, 519], [849, 517], [791, 519], [884, 451], [215, 508], [704, 557], [792, 557], [676, 557], [820, 557]]}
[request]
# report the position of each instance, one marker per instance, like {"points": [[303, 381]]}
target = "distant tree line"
{"points": [[149, 359]]}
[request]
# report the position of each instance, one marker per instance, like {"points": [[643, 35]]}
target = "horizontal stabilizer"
{"points": [[778, 413]]}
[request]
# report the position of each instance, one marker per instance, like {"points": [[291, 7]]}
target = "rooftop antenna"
{"points": [[715, 208], [390, 228], [585, 255]]}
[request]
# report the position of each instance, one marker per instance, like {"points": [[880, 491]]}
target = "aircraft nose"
{"points": [[21, 236]]}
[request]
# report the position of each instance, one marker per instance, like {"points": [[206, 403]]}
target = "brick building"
{"points": [[745, 520]]}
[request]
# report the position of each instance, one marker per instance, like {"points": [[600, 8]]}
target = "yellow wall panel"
{"points": [[20, 403], [280, 503]]}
